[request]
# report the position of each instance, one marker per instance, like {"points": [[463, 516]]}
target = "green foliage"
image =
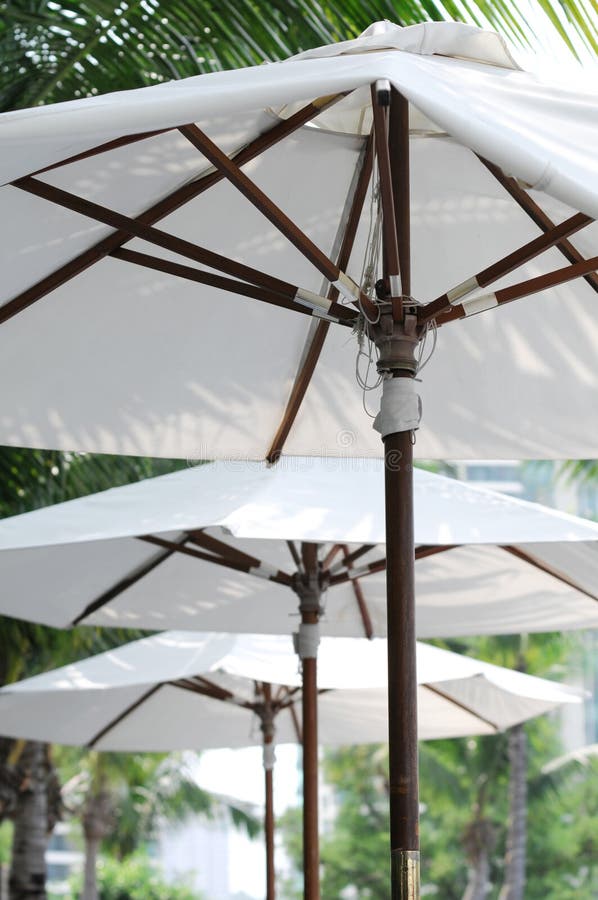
{"points": [[135, 878], [54, 50], [464, 795]]}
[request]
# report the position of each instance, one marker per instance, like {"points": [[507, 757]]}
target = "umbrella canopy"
{"points": [[99, 352], [485, 176], [193, 690], [487, 563]]}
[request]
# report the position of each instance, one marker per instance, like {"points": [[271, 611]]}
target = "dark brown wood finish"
{"points": [[153, 235], [275, 298], [349, 558], [510, 262], [128, 581], [101, 148], [402, 681], [221, 548], [123, 715], [159, 210], [398, 142], [440, 693], [538, 216], [548, 569], [309, 710], [526, 288], [277, 576], [269, 803], [372, 568], [265, 205], [364, 612], [380, 108], [305, 374]]}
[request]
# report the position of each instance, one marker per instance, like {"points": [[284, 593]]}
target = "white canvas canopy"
{"points": [[117, 357], [179, 690], [484, 191], [488, 563], [193, 690]]}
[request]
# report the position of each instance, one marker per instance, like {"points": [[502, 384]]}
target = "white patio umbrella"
{"points": [[482, 171], [192, 690], [216, 546]]}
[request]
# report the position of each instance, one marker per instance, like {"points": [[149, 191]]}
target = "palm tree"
{"points": [[52, 51], [121, 799], [29, 794]]}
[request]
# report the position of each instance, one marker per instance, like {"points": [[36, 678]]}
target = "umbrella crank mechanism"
{"points": [[397, 338]]}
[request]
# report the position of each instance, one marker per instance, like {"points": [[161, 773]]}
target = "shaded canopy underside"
{"points": [[123, 359]]}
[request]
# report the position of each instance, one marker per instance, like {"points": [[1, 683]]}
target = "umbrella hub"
{"points": [[397, 341], [309, 587]]}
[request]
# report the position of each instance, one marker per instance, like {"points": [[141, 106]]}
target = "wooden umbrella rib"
{"points": [[329, 558], [337, 314], [159, 210], [538, 216], [136, 228], [389, 229], [349, 558], [398, 142], [372, 568], [123, 715], [200, 685], [462, 706], [366, 619], [305, 374], [269, 573], [227, 551], [520, 290], [505, 265], [425, 550], [295, 720], [123, 584], [547, 569], [274, 214], [114, 144], [295, 554]]}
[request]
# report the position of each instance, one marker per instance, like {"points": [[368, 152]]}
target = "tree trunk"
{"points": [[98, 819], [479, 878], [479, 841], [514, 884], [90, 885], [28, 866]]}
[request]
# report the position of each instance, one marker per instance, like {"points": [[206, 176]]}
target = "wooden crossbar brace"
{"points": [[275, 215], [364, 612], [162, 208], [468, 709], [124, 583], [380, 92], [123, 715], [517, 291], [306, 371], [503, 266], [261, 570], [330, 312], [537, 215]]}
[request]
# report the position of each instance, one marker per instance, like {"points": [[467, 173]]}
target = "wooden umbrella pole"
{"points": [[402, 681], [266, 714], [397, 335], [308, 586]]}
